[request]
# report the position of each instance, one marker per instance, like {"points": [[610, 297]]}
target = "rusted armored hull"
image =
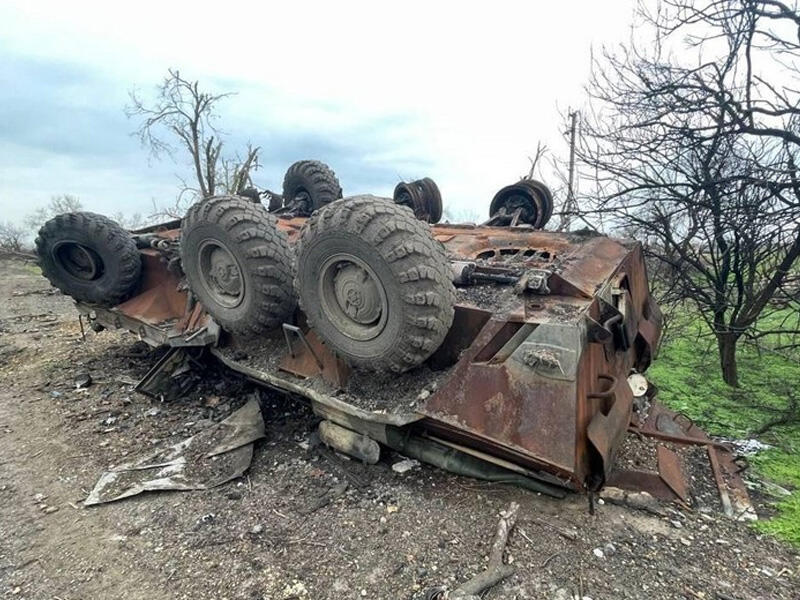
{"points": [[545, 382], [533, 373]]}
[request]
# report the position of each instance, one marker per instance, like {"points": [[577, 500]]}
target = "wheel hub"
{"points": [[352, 297], [221, 274], [78, 260], [357, 294]]}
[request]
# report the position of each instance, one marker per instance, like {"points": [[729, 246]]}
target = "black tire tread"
{"points": [[320, 181], [104, 231], [418, 261], [268, 259]]}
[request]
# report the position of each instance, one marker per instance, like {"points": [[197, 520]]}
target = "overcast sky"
{"points": [[380, 91]]}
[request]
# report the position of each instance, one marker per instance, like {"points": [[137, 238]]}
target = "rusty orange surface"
{"points": [[492, 399]]}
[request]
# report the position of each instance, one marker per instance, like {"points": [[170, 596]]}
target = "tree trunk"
{"points": [[727, 358]]}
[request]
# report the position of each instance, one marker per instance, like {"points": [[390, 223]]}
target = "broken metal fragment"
{"points": [[208, 459]]}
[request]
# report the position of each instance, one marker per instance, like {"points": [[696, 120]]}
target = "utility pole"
{"points": [[569, 206]]}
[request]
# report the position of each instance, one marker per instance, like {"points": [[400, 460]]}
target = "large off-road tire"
{"points": [[238, 264], [374, 283], [312, 183], [421, 196], [533, 198], [89, 257]]}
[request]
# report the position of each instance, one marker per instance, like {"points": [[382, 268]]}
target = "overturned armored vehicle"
{"points": [[499, 350]]}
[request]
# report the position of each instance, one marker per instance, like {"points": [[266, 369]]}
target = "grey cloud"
{"points": [[62, 128]]}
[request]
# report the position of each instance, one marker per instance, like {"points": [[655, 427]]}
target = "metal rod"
{"points": [[83, 332], [195, 334], [679, 439], [299, 333]]}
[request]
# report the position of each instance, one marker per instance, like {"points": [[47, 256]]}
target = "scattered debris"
{"points": [[748, 447], [208, 459], [83, 381], [404, 466]]}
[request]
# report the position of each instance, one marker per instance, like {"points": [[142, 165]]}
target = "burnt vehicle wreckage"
{"points": [[499, 351]]}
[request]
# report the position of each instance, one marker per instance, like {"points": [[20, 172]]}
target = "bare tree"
{"points": [[235, 173], [691, 142], [132, 221], [183, 117], [12, 237], [65, 203]]}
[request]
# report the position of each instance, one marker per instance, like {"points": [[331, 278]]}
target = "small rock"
{"points": [[50, 509], [55, 394], [82, 381], [296, 590], [38, 498], [256, 529], [405, 465], [153, 412], [598, 552], [613, 495], [677, 524], [644, 501], [686, 542], [391, 508], [609, 549], [423, 395], [563, 594], [211, 401]]}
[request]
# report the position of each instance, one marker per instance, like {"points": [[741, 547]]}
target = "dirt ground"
{"points": [[303, 523]]}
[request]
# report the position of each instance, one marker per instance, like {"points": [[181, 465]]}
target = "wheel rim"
{"points": [[352, 297], [79, 261], [221, 274], [302, 201]]}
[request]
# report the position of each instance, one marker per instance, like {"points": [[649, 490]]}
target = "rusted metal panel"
{"points": [[614, 402], [642, 481], [669, 469], [159, 299], [507, 404], [312, 358]]}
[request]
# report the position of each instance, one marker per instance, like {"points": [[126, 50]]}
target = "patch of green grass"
{"points": [[32, 267], [689, 380], [787, 524]]}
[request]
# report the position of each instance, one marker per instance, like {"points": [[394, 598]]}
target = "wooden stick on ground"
{"points": [[496, 571]]}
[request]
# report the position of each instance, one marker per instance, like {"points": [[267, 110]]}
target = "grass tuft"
{"points": [[688, 377]]}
